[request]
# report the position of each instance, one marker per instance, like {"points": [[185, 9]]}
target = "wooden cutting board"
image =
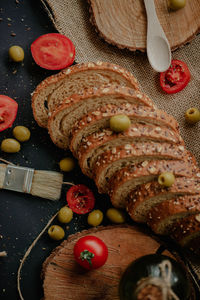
{"points": [[65, 279], [123, 22]]}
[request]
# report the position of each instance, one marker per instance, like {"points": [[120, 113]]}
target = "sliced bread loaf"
{"points": [[54, 89], [76, 106], [145, 197], [186, 230], [102, 140], [125, 180], [115, 158], [99, 119], [162, 216]]}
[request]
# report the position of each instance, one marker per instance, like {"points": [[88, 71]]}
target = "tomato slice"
{"points": [[8, 112], [80, 199], [175, 78], [53, 51]]}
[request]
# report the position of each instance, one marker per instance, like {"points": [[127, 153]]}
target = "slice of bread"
{"points": [[186, 230], [76, 106], [102, 140], [99, 120], [125, 180], [115, 158], [54, 89], [142, 200], [162, 216]]}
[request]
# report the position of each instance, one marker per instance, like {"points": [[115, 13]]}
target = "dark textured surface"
{"points": [[22, 216]]}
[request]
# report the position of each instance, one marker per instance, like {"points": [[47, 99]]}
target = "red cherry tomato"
{"points": [[80, 199], [90, 252], [8, 112], [175, 78], [53, 51]]}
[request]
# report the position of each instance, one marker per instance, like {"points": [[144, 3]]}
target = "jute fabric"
{"points": [[72, 18]]}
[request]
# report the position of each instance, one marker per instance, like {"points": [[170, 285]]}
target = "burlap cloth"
{"points": [[71, 17]]}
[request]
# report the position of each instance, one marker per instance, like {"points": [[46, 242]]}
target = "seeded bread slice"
{"points": [[142, 200], [114, 159], [125, 180], [102, 140], [162, 216], [99, 119], [186, 230], [54, 89], [76, 106]]}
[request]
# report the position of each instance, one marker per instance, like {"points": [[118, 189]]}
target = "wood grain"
{"points": [[123, 22], [65, 279]]}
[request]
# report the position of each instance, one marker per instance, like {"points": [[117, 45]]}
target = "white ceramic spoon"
{"points": [[158, 48]]}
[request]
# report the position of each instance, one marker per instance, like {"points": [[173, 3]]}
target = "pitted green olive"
{"points": [[166, 179], [16, 53], [119, 123], [67, 164], [65, 215], [10, 146], [116, 215], [95, 217], [192, 115], [56, 232], [176, 4], [21, 133]]}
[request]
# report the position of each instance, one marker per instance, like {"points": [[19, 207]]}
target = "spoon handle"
{"points": [[158, 48], [153, 24]]}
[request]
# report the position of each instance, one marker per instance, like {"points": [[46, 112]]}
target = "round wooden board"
{"points": [[65, 279], [123, 22]]}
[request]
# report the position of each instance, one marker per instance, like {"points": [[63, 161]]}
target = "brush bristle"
{"points": [[2, 174], [47, 184]]}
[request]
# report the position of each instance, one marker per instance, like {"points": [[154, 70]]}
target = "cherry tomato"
{"points": [[53, 51], [90, 252], [8, 112], [175, 78], [80, 199]]}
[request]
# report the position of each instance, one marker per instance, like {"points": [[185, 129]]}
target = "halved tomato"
{"points": [[175, 78], [8, 112], [53, 51], [80, 199]]}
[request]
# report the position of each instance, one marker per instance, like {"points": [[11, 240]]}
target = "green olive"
{"points": [[192, 115], [10, 146], [95, 217], [56, 232], [166, 179], [119, 123], [16, 53], [67, 164], [176, 4], [65, 215], [21, 133], [116, 215]]}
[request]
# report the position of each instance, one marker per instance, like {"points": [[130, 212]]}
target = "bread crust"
{"points": [[153, 168], [136, 151], [186, 229], [173, 209], [136, 133], [148, 115], [56, 120], [40, 113]]}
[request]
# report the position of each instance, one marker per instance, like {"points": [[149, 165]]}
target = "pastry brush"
{"points": [[44, 184]]}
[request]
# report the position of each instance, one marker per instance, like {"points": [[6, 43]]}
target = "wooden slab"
{"points": [[123, 22], [65, 279]]}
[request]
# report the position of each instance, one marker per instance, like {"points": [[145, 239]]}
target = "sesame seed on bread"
{"points": [[75, 107], [125, 180], [51, 91], [99, 120]]}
